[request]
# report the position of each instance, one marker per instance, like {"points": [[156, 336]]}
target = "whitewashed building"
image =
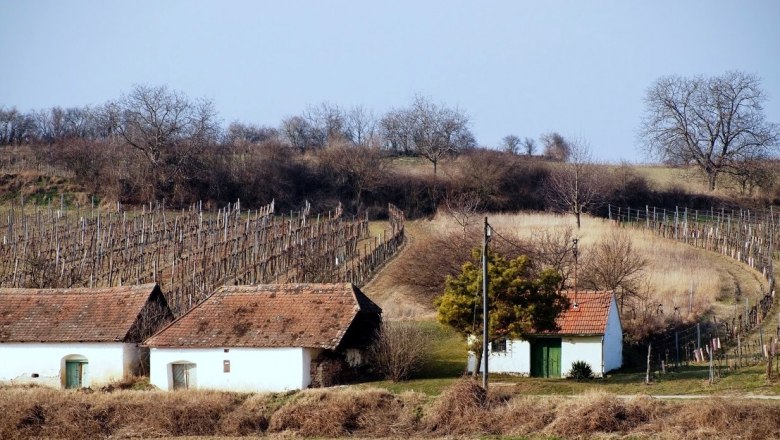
{"points": [[589, 330], [78, 338], [272, 337]]}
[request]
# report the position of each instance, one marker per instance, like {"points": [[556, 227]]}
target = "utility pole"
{"points": [[485, 320], [575, 251]]}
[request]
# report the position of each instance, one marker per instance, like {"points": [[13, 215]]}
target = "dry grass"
{"points": [[338, 413], [463, 410], [437, 247]]}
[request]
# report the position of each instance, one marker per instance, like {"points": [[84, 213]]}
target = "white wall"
{"points": [[251, 369], [581, 348], [19, 361], [515, 360], [517, 357], [613, 340]]}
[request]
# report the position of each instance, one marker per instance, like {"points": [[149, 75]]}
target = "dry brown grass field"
{"points": [[673, 271]]}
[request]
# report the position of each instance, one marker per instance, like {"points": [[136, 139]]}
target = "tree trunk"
{"points": [[711, 177]]}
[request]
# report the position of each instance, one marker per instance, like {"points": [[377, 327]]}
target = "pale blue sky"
{"points": [[521, 67]]}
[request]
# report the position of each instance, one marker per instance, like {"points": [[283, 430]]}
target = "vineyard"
{"points": [[189, 252], [746, 236]]}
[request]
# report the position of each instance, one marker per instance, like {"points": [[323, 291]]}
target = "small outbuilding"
{"points": [[272, 337], [80, 337], [589, 330]]}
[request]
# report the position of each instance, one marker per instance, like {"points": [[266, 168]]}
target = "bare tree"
{"points": [[529, 146], [511, 144], [614, 264], [463, 207], [238, 133], [553, 248], [298, 133], [167, 128], [16, 127], [396, 130], [360, 126], [360, 168], [438, 130], [575, 186], [328, 124], [556, 147], [714, 123], [753, 174]]}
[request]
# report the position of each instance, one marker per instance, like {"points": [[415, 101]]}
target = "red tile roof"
{"points": [[269, 315], [71, 315], [588, 318]]}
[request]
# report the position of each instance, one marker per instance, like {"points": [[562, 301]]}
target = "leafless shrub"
{"points": [[642, 315], [399, 349]]}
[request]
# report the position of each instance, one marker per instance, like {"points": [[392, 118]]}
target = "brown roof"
{"points": [[588, 318], [269, 315], [71, 315]]}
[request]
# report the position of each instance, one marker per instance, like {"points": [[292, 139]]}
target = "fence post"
{"points": [[676, 220], [698, 335], [647, 216], [677, 349]]}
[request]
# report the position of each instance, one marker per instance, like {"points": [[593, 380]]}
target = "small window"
{"points": [[226, 366], [498, 345]]}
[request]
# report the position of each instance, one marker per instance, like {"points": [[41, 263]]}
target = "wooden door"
{"points": [[546, 357], [75, 372], [182, 376]]}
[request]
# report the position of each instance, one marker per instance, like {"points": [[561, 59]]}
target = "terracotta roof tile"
{"points": [[71, 315], [269, 315], [588, 318]]}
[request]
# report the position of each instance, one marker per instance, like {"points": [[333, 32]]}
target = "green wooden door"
{"points": [[546, 357], [74, 374]]}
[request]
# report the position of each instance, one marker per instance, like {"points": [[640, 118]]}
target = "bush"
{"points": [[580, 370], [399, 349]]}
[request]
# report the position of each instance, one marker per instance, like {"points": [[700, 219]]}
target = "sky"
{"points": [[580, 68]]}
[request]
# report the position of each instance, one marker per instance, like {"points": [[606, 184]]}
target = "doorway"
{"points": [[183, 375], [546, 357], [76, 373]]}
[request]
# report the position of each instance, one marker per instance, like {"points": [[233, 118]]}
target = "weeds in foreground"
{"points": [[464, 409]]}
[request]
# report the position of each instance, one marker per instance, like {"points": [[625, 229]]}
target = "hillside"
{"points": [[363, 180]]}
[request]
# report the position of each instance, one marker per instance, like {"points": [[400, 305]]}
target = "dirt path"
{"points": [[398, 301]]}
